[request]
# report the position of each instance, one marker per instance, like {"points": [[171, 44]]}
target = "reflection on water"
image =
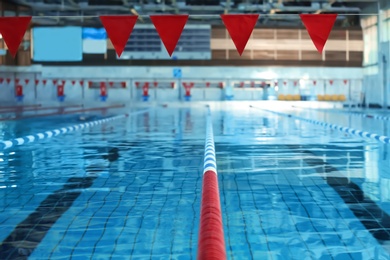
{"points": [[363, 207], [29, 233], [288, 190], [108, 189], [296, 200]]}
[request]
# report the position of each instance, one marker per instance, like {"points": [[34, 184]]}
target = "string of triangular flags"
{"points": [[170, 27]]}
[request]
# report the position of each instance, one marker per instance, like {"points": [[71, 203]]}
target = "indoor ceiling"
{"points": [[272, 12]]}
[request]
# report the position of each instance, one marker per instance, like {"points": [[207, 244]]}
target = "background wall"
{"points": [[376, 35], [77, 88], [200, 72], [290, 44], [199, 45], [283, 52]]}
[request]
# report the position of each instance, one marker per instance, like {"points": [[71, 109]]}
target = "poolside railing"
{"points": [[61, 112]]}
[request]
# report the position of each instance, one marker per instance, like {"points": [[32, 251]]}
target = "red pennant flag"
{"points": [[169, 28], [27, 81], [63, 82], [90, 84], [345, 81], [73, 82], [13, 29], [54, 81], [315, 82], [1, 80], [16, 81], [319, 27], [119, 29], [331, 82], [111, 83], [81, 82], [8, 80], [123, 84], [207, 84], [36, 82], [155, 84], [240, 27], [44, 81], [136, 84]]}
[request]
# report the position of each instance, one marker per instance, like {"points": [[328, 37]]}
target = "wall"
{"points": [[343, 45], [373, 90], [376, 56], [76, 93], [196, 47], [385, 51]]}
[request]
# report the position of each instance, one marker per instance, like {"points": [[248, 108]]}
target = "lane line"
{"points": [[211, 243], [353, 113], [51, 133], [29, 233], [366, 210], [380, 138]]}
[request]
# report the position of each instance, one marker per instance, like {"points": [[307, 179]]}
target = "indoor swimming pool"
{"points": [[131, 188]]}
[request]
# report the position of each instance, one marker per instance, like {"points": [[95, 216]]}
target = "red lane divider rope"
{"points": [[211, 244], [211, 239]]}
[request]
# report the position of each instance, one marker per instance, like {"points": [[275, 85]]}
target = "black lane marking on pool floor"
{"points": [[374, 219], [29, 233]]}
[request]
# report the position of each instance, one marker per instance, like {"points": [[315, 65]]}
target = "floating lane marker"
{"points": [[355, 132], [211, 244], [353, 113], [48, 134]]}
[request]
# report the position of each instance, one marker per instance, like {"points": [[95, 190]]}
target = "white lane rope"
{"points": [[52, 133], [355, 132]]}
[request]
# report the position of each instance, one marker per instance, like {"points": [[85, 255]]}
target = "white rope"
{"points": [[190, 15]]}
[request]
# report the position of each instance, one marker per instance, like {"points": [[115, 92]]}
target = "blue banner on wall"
{"points": [[57, 43], [94, 33], [94, 40]]}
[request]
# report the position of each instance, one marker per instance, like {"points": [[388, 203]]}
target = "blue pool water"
{"points": [[288, 189]]}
